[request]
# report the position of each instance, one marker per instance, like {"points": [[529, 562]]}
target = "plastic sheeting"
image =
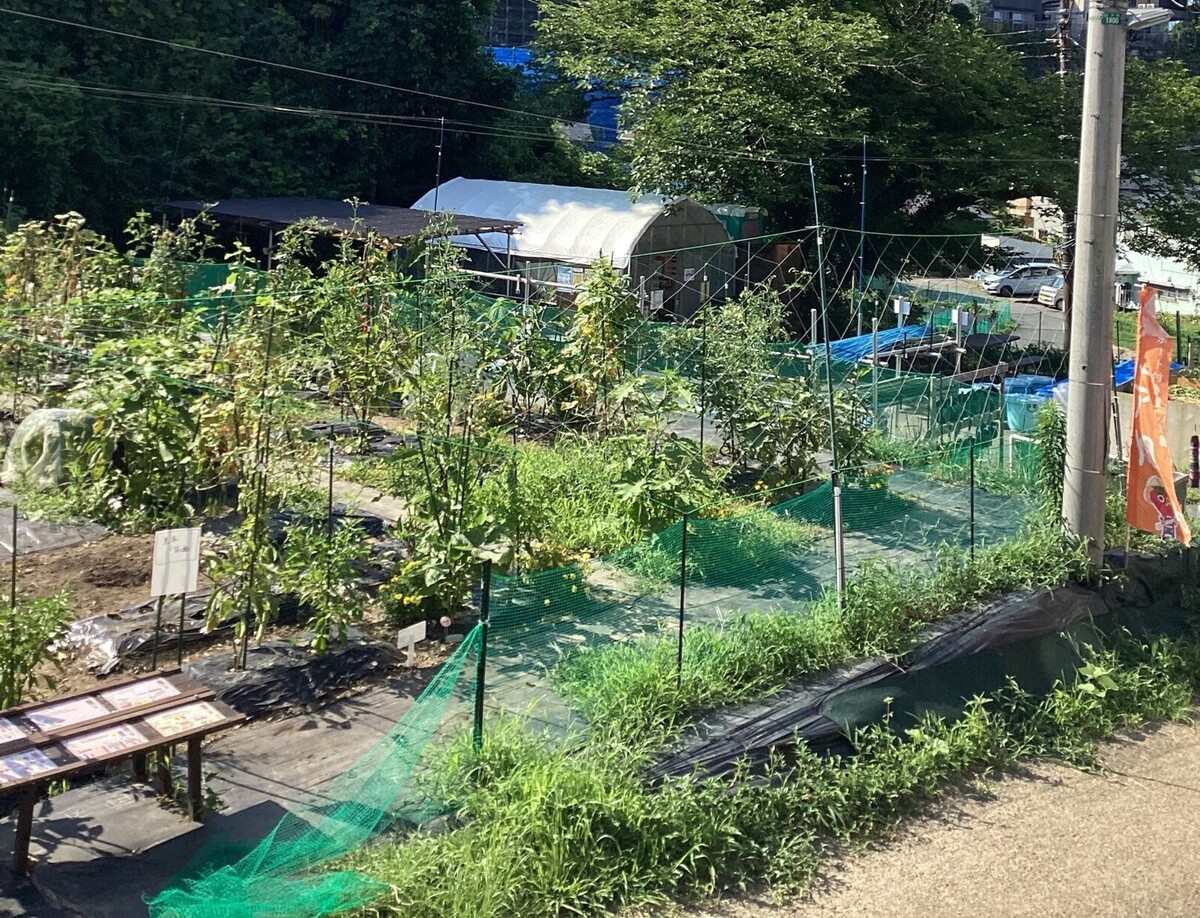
{"points": [[43, 445], [279, 675], [861, 346], [35, 536], [1031, 637], [560, 223], [110, 639]]}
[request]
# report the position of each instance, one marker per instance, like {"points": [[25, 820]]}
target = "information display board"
{"points": [[140, 693]]}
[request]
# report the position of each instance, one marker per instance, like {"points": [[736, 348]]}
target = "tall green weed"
{"points": [[636, 690], [546, 831]]}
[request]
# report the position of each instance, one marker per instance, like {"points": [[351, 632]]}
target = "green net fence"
{"points": [[778, 558], [277, 877], [700, 570], [975, 489]]}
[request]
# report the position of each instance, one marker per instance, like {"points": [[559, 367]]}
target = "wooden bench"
{"points": [[128, 719]]}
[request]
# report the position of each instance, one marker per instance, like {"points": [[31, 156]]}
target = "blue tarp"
{"points": [[601, 104], [860, 346], [1123, 371], [1122, 374]]}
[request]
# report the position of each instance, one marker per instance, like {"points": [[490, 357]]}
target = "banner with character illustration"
{"points": [[1151, 504]]}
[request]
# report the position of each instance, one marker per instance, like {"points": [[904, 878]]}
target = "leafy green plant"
{"points": [[246, 572], [319, 568], [769, 419], [26, 632], [158, 435], [594, 354], [1052, 457], [547, 829]]}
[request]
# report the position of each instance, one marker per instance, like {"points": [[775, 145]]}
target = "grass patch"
{"points": [[548, 832], [753, 548], [633, 689]]}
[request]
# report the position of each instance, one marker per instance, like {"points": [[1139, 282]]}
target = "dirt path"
{"points": [[1051, 842]]}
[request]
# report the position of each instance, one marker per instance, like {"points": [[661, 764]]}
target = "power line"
{"points": [[308, 71], [727, 154]]}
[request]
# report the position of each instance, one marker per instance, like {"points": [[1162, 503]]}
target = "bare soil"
{"points": [[101, 576], [106, 575]]}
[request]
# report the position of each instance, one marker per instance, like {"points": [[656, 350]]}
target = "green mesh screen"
{"points": [[281, 875], [771, 559]]}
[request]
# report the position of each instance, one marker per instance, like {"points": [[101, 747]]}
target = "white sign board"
{"points": [[656, 300], [408, 637], [962, 317], [688, 275], [901, 307], [176, 562]]}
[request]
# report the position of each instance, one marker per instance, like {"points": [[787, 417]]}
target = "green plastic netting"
{"points": [[283, 875], [774, 559]]}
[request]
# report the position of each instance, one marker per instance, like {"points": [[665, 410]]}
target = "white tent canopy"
{"points": [[560, 223]]}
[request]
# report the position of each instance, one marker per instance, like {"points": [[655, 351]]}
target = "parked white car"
{"points": [[1026, 280], [1051, 294]]}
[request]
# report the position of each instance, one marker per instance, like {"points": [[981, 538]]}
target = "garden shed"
{"points": [[666, 246]]}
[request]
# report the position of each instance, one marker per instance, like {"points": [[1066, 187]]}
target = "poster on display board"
{"points": [[103, 743], [181, 720], [10, 732], [139, 694], [67, 713], [21, 766]]}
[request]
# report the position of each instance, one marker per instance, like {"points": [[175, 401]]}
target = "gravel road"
{"points": [[1050, 842]]}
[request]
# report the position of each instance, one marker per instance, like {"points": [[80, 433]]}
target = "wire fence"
{"points": [[715, 562], [963, 485]]}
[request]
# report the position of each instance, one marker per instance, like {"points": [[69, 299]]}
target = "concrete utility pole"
{"points": [[1095, 265], [1094, 295]]}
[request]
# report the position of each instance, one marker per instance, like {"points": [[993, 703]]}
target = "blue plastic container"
{"points": [[1021, 411]]}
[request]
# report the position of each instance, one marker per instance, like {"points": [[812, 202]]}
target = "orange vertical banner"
{"points": [[1150, 501]]}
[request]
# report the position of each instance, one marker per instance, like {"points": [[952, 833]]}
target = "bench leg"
{"points": [[24, 831], [164, 771], [195, 784], [140, 770]]}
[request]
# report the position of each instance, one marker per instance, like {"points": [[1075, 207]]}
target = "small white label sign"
{"points": [[408, 637], [176, 562]]}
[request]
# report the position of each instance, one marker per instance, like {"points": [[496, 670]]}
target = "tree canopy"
{"points": [[105, 124], [727, 100]]}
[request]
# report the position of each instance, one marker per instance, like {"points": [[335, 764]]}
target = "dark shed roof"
{"points": [[339, 216]]}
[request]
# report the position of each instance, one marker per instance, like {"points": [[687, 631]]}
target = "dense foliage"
{"points": [[549, 829], [105, 124], [727, 101]]}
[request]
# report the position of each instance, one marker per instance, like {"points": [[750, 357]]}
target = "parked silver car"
{"points": [[1052, 294], [1023, 281]]}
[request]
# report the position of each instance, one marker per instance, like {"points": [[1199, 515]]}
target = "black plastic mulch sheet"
{"points": [[280, 675], [1031, 638]]}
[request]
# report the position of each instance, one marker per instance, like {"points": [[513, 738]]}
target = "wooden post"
{"points": [[163, 770], [29, 797], [179, 649], [195, 787], [141, 771], [158, 610]]}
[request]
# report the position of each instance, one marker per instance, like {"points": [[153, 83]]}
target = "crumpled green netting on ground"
{"points": [[281, 876]]}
